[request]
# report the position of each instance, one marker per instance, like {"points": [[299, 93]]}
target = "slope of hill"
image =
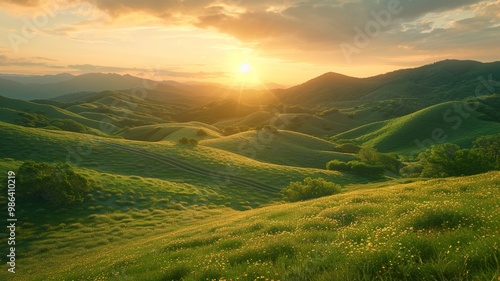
{"points": [[445, 122], [280, 147], [172, 132], [434, 83], [93, 152], [92, 82], [439, 229], [13, 107], [38, 79]]}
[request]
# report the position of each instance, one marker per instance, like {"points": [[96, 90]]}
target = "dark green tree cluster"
{"points": [[231, 130], [201, 133], [308, 189], [356, 167], [186, 141], [373, 157], [448, 159], [56, 184]]}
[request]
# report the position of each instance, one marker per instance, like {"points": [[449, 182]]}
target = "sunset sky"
{"points": [[282, 41]]}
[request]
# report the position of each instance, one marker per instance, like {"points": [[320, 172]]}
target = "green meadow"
{"points": [[439, 229], [191, 185]]}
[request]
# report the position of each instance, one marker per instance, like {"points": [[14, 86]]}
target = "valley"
{"points": [[186, 181]]}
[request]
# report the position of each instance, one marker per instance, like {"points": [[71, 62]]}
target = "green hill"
{"points": [[13, 107], [440, 229], [102, 154], [445, 122], [434, 83], [281, 147], [172, 132]]}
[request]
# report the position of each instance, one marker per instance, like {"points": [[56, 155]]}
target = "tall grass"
{"points": [[431, 230]]}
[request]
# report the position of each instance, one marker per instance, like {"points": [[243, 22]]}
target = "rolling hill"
{"points": [[444, 122], [212, 209], [438, 82], [280, 147]]}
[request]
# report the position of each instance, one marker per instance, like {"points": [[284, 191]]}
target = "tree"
{"points": [[338, 165], [201, 133], [487, 149], [184, 140], [308, 189], [372, 156], [356, 167], [57, 184], [193, 142], [446, 160], [440, 160]]}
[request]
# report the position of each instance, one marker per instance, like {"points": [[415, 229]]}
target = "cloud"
{"points": [[313, 30], [86, 68], [28, 62]]}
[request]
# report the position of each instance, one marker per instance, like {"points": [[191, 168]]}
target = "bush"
{"points": [[355, 167], [358, 167], [186, 141], [201, 133], [337, 165], [487, 150], [308, 189], [449, 159], [56, 184], [372, 156], [348, 148], [193, 142]]}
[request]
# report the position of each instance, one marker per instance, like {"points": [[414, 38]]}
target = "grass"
{"points": [[18, 106], [171, 132], [93, 153], [400, 134], [148, 220], [433, 230], [283, 148]]}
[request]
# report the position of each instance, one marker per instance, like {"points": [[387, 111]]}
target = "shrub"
{"points": [[358, 167], [201, 133], [56, 184], [308, 189], [348, 148], [193, 142], [355, 167], [184, 140], [372, 156], [449, 159], [337, 165]]}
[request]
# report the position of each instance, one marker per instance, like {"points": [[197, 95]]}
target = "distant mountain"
{"points": [[91, 82], [38, 79], [438, 82]]}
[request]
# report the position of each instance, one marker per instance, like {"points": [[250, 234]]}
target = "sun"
{"points": [[245, 68]]}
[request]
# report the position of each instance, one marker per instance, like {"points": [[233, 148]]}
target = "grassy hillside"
{"points": [[445, 122], [283, 148], [172, 132], [48, 111], [99, 153], [434, 83], [436, 230]]}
